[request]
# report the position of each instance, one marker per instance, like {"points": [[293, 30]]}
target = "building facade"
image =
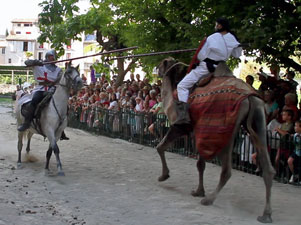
{"points": [[21, 44]]}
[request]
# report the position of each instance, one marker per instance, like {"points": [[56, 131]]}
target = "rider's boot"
{"points": [[63, 136], [183, 120], [28, 118]]}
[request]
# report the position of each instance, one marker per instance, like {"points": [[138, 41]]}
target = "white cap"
{"points": [[26, 85]]}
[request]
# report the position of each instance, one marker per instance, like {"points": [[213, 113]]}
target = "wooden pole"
{"points": [[97, 54], [154, 53]]}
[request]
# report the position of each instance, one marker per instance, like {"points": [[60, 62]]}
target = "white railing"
{"points": [[26, 74]]}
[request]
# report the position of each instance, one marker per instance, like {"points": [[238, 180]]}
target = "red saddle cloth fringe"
{"points": [[214, 109]]}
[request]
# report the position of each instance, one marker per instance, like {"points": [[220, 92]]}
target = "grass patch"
{"points": [[5, 100]]}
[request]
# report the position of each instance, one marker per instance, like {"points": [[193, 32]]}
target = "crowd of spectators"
{"points": [[283, 120], [134, 95]]}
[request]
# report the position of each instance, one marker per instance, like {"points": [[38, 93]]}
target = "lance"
{"points": [[164, 53], [97, 54], [153, 53]]}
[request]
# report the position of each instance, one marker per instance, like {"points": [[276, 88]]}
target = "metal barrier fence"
{"points": [[133, 127]]}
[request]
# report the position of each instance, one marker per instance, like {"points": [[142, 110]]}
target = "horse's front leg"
{"points": [[20, 146], [48, 156], [54, 147], [200, 191], [56, 151]]}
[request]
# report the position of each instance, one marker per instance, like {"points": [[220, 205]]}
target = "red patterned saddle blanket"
{"points": [[214, 109]]}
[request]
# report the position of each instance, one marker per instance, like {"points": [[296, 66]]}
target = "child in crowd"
{"points": [[294, 160], [286, 128]]}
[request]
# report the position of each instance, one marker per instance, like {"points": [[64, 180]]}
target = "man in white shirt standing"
{"points": [[217, 47]]}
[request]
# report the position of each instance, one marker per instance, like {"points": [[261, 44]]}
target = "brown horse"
{"points": [[250, 114]]}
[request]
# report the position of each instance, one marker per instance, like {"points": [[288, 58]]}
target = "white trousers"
{"points": [[189, 80]]}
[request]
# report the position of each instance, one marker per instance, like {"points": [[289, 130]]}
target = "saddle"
{"points": [[214, 109], [25, 110]]}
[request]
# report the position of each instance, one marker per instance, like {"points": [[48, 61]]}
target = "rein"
{"points": [[69, 80], [178, 63]]}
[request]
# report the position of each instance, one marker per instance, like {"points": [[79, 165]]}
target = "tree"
{"points": [[270, 27], [60, 23]]}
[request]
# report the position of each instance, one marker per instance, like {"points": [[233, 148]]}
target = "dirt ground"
{"points": [[113, 182]]}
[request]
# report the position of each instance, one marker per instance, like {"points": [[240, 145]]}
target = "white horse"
{"points": [[53, 117]]}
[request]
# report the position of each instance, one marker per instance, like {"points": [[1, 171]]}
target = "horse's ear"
{"points": [[77, 67]]}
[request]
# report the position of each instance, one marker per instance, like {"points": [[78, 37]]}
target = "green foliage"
{"points": [[28, 54], [271, 28], [7, 79]]}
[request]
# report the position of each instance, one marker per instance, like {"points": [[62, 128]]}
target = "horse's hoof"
{"points": [[206, 201], [198, 193], [265, 219], [163, 177], [48, 173], [61, 173]]}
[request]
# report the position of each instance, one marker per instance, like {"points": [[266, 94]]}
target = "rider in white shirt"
{"points": [[46, 76], [218, 47]]}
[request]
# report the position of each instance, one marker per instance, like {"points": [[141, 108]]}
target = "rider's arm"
{"points": [[237, 52], [33, 62]]}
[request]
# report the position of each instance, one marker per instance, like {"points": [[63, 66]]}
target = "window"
{"points": [[28, 32], [18, 32], [26, 25], [19, 24], [40, 55], [3, 51], [25, 46], [41, 45], [9, 60]]}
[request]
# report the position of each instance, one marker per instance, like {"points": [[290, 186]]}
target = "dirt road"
{"points": [[113, 182]]}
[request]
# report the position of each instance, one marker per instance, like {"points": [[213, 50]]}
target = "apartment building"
{"points": [[21, 44]]}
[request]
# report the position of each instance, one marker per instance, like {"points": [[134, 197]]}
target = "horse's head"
{"points": [[172, 69], [72, 76]]}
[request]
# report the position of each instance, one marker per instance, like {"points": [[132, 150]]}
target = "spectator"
{"points": [[285, 129], [138, 77], [271, 106], [132, 78], [139, 104], [156, 109], [250, 80], [145, 92], [290, 103], [294, 161], [152, 98], [264, 83], [146, 107], [84, 78], [113, 102], [290, 77], [104, 100], [138, 117]]}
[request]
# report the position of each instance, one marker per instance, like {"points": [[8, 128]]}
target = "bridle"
{"points": [[67, 85], [70, 83], [172, 66]]}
